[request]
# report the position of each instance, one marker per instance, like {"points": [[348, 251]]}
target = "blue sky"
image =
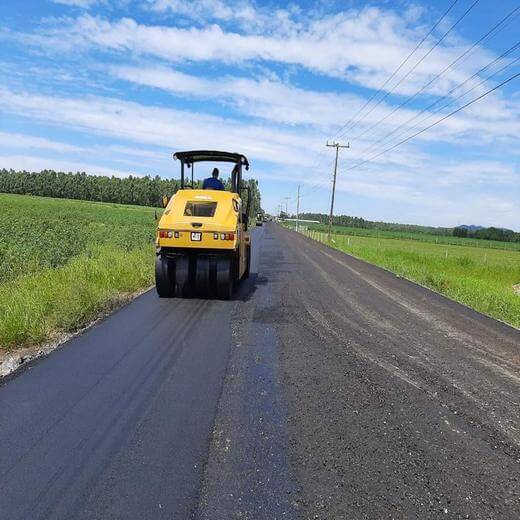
{"points": [[114, 87]]}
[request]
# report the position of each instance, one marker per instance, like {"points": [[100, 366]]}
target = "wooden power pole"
{"points": [[337, 146], [298, 208]]}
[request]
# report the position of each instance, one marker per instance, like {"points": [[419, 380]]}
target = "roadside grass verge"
{"points": [[409, 235], [39, 307], [63, 263], [480, 278]]}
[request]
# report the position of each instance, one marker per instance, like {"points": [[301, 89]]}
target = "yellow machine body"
{"points": [[202, 243], [177, 219]]}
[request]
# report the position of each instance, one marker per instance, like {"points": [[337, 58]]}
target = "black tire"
{"points": [[202, 276], [164, 277], [225, 278], [182, 274], [248, 262]]}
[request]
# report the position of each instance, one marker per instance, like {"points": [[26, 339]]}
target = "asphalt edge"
{"points": [[16, 362]]}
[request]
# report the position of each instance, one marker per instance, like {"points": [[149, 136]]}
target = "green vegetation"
{"points": [[490, 233], [358, 222], [62, 262], [142, 191], [417, 236], [414, 231], [481, 278]]}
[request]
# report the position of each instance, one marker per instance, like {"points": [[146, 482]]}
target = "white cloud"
{"points": [[477, 174], [283, 103], [243, 14], [85, 4], [174, 129], [17, 140], [115, 152], [424, 188], [364, 46], [207, 9], [287, 120], [263, 98]]}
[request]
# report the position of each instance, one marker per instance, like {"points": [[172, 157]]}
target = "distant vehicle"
{"points": [[203, 244], [260, 218]]}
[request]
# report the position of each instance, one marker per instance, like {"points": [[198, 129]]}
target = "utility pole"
{"points": [[287, 205], [337, 146], [298, 208]]}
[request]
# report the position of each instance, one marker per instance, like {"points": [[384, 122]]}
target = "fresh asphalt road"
{"points": [[327, 389]]}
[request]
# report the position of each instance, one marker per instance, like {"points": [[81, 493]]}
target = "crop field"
{"points": [[62, 262], [421, 237], [479, 277]]}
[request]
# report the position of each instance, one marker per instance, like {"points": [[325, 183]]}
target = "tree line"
{"points": [[358, 222], [491, 233], [140, 191]]}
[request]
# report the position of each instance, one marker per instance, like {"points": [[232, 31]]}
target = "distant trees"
{"points": [[358, 222], [141, 191], [256, 200], [490, 233], [460, 231]]}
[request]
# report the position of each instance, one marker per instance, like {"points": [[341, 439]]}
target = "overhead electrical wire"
{"points": [[432, 48], [495, 29], [416, 64], [370, 159], [401, 65], [448, 94], [486, 36]]}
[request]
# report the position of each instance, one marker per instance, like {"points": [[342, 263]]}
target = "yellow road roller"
{"points": [[203, 244]]}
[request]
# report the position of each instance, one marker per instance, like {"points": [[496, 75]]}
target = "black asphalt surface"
{"points": [[328, 389]]}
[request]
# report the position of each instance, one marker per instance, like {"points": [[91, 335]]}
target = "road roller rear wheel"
{"points": [[248, 262], [182, 276], [225, 278], [202, 276], [164, 277]]}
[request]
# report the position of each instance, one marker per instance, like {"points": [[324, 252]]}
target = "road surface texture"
{"points": [[328, 389]]}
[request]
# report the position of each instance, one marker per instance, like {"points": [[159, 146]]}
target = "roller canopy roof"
{"points": [[211, 155]]}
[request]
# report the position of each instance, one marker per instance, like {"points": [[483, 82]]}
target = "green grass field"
{"points": [[62, 262], [421, 237], [481, 277]]}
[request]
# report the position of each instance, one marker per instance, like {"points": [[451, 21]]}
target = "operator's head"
{"points": [[214, 173]]}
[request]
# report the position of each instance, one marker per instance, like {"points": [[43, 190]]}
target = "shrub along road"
{"points": [[327, 389]]}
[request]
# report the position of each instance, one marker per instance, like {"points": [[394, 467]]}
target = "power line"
{"points": [[508, 80], [405, 123], [470, 90], [435, 78], [397, 69], [446, 12], [495, 29], [466, 12]]}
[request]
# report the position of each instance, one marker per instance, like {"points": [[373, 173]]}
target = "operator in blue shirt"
{"points": [[213, 182]]}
